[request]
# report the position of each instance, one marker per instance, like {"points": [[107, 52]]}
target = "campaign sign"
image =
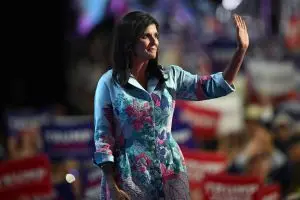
{"points": [[27, 178], [91, 179], [182, 132], [26, 120], [203, 121], [271, 78], [24, 129], [199, 163], [269, 192], [68, 141], [70, 120], [292, 34], [224, 186]]}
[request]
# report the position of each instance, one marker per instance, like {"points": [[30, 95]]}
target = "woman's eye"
{"points": [[145, 36]]}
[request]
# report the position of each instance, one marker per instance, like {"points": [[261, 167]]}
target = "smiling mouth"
{"points": [[152, 49]]}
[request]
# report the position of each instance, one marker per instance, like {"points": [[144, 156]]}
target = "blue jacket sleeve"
{"points": [[195, 87], [103, 121]]}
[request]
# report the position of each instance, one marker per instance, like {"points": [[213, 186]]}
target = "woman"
{"points": [[134, 104]]}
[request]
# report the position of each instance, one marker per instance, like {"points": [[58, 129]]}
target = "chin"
{"points": [[152, 56]]}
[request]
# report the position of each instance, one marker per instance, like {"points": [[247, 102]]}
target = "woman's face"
{"points": [[147, 45]]}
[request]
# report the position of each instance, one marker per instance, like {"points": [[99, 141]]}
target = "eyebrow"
{"points": [[149, 32]]}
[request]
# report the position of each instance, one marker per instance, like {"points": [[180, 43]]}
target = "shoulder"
{"points": [[171, 74], [105, 78], [104, 83], [171, 70]]}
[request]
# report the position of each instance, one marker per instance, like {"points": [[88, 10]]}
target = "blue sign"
{"points": [[68, 141]]}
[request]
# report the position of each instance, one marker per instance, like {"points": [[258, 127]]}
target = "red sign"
{"points": [[223, 186], [200, 163], [270, 82], [269, 192], [292, 35], [25, 179], [203, 121]]}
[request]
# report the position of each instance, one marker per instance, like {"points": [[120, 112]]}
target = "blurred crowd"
{"points": [[260, 134]]}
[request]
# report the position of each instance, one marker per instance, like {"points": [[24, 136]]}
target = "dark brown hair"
{"points": [[127, 32]]}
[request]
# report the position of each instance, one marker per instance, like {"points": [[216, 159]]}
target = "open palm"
{"points": [[241, 31]]}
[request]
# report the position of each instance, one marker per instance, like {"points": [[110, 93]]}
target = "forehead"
{"points": [[151, 29]]}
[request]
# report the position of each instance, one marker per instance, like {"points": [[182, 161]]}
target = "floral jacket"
{"points": [[133, 130]]}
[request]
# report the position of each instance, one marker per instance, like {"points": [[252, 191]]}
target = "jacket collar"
{"points": [[152, 83]]}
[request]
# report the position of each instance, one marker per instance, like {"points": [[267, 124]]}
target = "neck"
{"points": [[139, 68]]}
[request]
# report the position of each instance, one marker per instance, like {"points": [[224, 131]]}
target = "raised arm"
{"points": [[194, 87], [243, 42]]}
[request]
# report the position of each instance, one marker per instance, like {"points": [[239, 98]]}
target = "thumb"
{"points": [[125, 195]]}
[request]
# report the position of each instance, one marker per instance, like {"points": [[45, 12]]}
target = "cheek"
{"points": [[146, 44], [141, 46], [137, 49]]}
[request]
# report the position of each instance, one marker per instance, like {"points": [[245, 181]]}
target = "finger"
{"points": [[239, 19], [126, 196], [235, 20], [244, 24]]}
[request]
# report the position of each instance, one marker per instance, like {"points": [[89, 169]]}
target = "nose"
{"points": [[154, 41]]}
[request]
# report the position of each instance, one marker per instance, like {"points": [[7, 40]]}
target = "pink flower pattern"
{"points": [[200, 92], [142, 161], [156, 99], [148, 163], [165, 172], [139, 114]]}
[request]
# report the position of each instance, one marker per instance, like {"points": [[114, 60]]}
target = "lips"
{"points": [[152, 49]]}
